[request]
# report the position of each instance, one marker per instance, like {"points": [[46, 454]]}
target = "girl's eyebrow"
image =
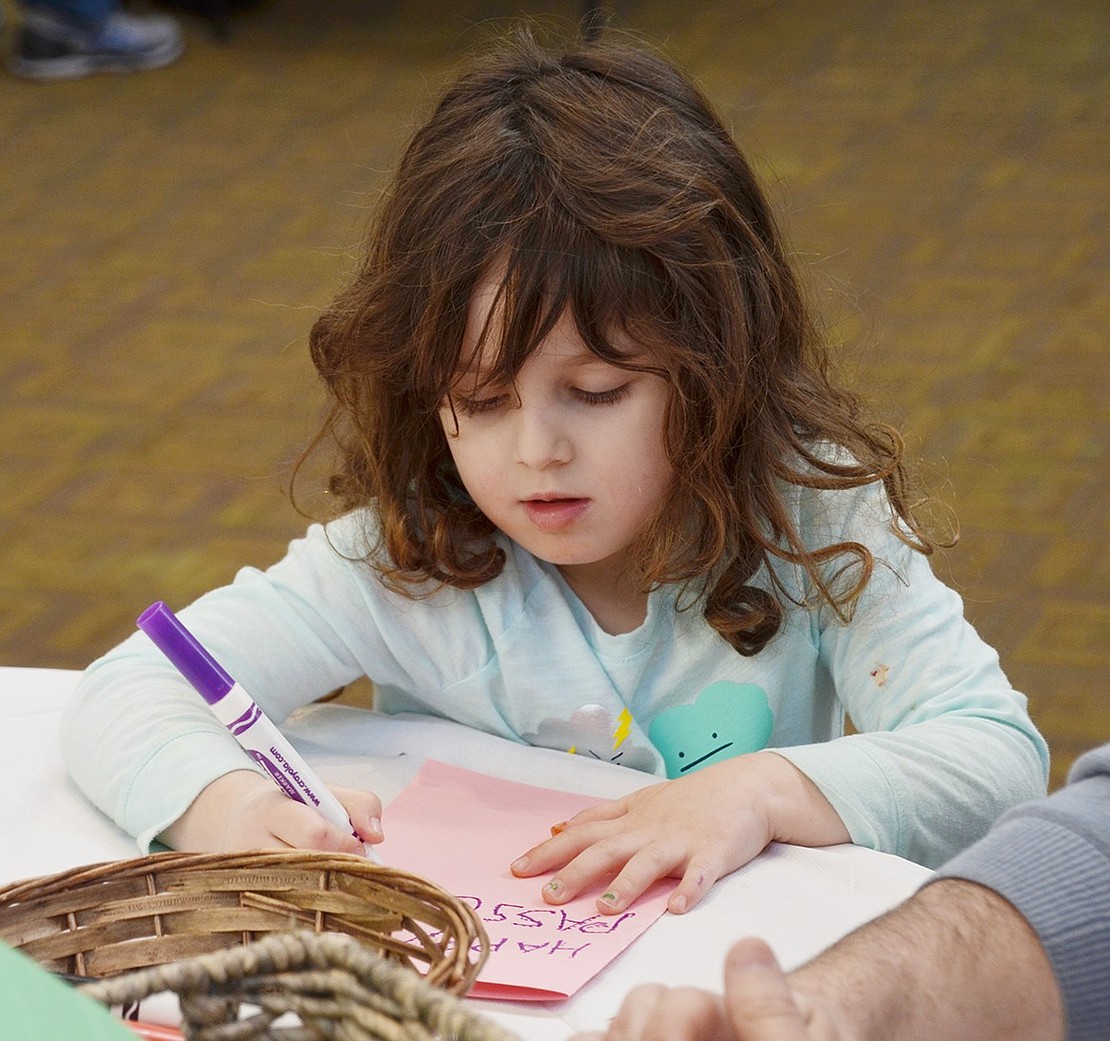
{"points": [[581, 358], [585, 358]]}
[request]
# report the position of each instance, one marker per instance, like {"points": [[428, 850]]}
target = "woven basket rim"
{"points": [[181, 898]]}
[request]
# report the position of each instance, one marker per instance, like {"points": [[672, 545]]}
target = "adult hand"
{"points": [[956, 960], [244, 810], [761, 1005], [758, 1005]]}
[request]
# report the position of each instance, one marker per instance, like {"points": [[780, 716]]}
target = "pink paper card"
{"points": [[461, 830]]}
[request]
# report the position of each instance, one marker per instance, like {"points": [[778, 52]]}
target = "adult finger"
{"points": [[653, 1012], [758, 1000], [635, 1014], [687, 1014]]}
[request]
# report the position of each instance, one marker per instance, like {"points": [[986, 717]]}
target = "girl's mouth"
{"points": [[555, 513]]}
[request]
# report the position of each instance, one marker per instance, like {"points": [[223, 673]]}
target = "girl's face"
{"points": [[568, 461]]}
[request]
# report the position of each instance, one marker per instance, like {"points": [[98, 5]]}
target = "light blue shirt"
{"points": [[945, 744]]}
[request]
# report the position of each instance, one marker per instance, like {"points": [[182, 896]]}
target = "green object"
{"points": [[36, 1005], [725, 719]]}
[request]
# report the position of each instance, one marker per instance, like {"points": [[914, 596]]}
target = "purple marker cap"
{"points": [[186, 653]]}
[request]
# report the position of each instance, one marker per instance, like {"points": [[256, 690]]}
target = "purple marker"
{"points": [[236, 709]]}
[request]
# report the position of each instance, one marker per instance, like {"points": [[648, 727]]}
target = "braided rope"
{"points": [[337, 989]]}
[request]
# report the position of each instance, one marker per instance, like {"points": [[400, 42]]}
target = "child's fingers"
{"points": [[365, 811], [563, 846], [585, 827], [699, 876], [295, 824], [642, 870], [603, 811], [630, 863]]}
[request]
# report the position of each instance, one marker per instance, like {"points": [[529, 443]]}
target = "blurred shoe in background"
{"points": [[68, 40]]}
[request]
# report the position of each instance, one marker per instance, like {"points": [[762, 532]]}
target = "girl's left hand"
{"points": [[696, 828]]}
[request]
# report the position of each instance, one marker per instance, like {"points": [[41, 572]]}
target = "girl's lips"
{"points": [[555, 514]]}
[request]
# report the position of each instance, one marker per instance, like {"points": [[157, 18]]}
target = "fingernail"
{"points": [[678, 903], [520, 864], [608, 898], [560, 827], [376, 828], [553, 886]]}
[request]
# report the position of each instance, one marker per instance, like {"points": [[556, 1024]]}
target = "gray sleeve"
{"points": [[1051, 860]]}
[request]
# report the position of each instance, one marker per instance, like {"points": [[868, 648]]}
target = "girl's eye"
{"points": [[603, 397], [478, 406], [483, 406]]}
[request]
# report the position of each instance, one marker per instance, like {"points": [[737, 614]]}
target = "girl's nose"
{"points": [[542, 440]]}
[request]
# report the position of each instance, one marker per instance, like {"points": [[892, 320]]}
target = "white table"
{"points": [[799, 900]]}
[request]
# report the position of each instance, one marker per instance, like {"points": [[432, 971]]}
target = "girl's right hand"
{"points": [[244, 810]]}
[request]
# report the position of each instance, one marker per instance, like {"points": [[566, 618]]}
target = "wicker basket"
{"points": [[337, 989], [107, 919]]}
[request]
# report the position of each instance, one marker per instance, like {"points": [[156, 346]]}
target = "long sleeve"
{"points": [[139, 741], [944, 743], [1051, 860]]}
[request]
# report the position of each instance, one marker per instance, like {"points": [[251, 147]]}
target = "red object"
{"points": [[154, 1031]]}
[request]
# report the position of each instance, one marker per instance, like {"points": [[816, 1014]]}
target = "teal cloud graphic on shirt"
{"points": [[726, 719]]}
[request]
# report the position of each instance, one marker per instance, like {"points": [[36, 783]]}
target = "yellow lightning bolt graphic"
{"points": [[624, 725]]}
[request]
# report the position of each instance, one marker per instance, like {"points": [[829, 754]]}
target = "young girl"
{"points": [[598, 494]]}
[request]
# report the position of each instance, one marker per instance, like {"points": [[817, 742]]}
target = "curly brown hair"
{"points": [[601, 182]]}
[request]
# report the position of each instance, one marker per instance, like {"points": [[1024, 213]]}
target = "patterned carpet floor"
{"points": [[166, 239]]}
